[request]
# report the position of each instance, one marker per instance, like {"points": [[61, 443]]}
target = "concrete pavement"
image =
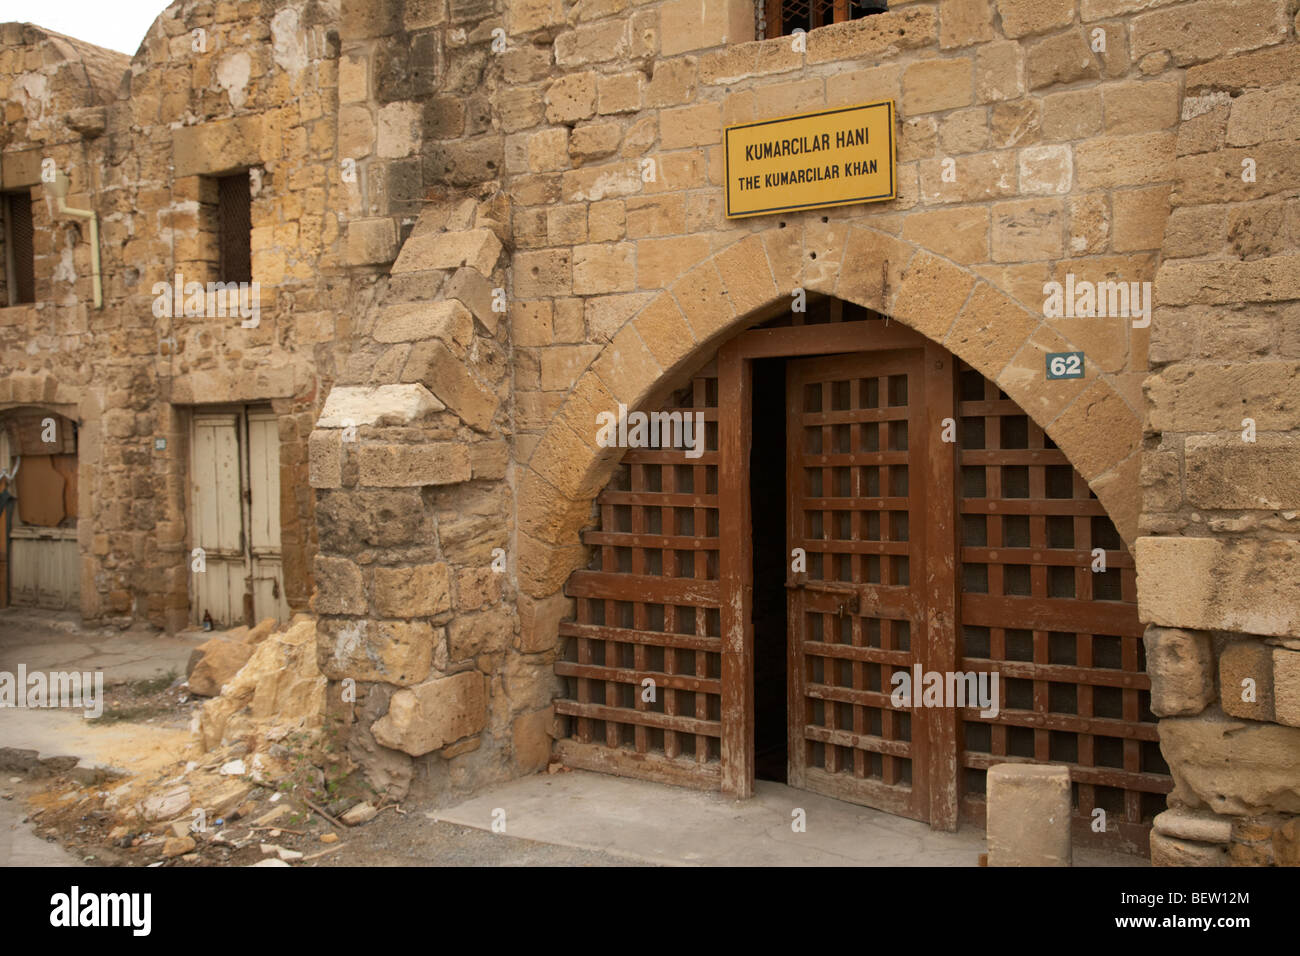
{"points": [[672, 826]]}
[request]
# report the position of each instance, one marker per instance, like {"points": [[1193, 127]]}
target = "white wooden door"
{"points": [[235, 493], [218, 521], [264, 515]]}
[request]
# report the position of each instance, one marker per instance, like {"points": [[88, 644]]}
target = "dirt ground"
{"points": [[405, 837], [58, 782]]}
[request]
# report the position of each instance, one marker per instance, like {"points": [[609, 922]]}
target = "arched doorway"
{"points": [[39, 561], [865, 506]]}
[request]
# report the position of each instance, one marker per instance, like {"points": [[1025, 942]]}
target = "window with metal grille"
{"points": [[234, 228], [20, 262], [783, 17]]}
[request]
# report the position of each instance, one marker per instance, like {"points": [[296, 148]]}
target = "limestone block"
{"points": [[597, 140], [478, 587], [1208, 584], [1242, 661], [1029, 815], [219, 660], [1187, 825], [621, 93], [382, 405], [395, 652], [696, 24], [448, 320], [340, 587], [531, 736], [431, 715], [963, 22], [1286, 686], [1046, 169], [1029, 229], [593, 43], [447, 377], [1170, 851], [474, 634], [933, 85], [539, 621], [870, 39], [479, 248], [325, 459], [1108, 161], [476, 293], [217, 145], [571, 98], [1063, 58], [1286, 843], [1232, 766], [1209, 29], [420, 591], [371, 241], [1181, 667], [21, 168], [1225, 472], [1025, 17], [401, 466]]}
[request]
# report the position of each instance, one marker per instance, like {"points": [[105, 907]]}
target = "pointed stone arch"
{"points": [[751, 279]]}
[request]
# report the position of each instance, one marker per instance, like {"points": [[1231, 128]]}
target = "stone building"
{"points": [[468, 229]]}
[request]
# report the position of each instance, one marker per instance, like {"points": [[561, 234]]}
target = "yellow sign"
{"points": [[833, 158]]}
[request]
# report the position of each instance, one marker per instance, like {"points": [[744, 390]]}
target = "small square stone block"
{"points": [[1028, 815]]}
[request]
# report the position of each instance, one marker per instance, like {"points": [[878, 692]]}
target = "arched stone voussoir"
{"points": [[872, 268], [746, 282]]}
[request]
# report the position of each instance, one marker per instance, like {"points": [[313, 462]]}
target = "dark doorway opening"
{"points": [[767, 469]]}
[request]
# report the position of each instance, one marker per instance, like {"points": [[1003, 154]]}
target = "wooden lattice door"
{"points": [[642, 661], [1048, 600], [860, 488], [942, 529]]}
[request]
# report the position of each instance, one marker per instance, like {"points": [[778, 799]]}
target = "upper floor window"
{"points": [[234, 228], [19, 257], [783, 17]]}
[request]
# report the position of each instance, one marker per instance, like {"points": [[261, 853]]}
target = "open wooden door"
{"points": [[862, 509]]}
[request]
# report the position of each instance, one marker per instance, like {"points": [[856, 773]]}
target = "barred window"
{"points": [[19, 258], [235, 228], [783, 17]]}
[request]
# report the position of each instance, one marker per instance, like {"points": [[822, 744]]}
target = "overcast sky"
{"points": [[117, 24]]}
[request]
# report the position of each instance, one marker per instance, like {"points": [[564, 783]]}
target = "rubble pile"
{"points": [[256, 774]]}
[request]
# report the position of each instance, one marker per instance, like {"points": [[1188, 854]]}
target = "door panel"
{"points": [[218, 520], [856, 447], [46, 567], [1062, 631], [264, 515]]}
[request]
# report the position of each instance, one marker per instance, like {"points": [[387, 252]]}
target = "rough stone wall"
{"points": [[214, 88], [562, 161], [55, 92], [1217, 566], [411, 456]]}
